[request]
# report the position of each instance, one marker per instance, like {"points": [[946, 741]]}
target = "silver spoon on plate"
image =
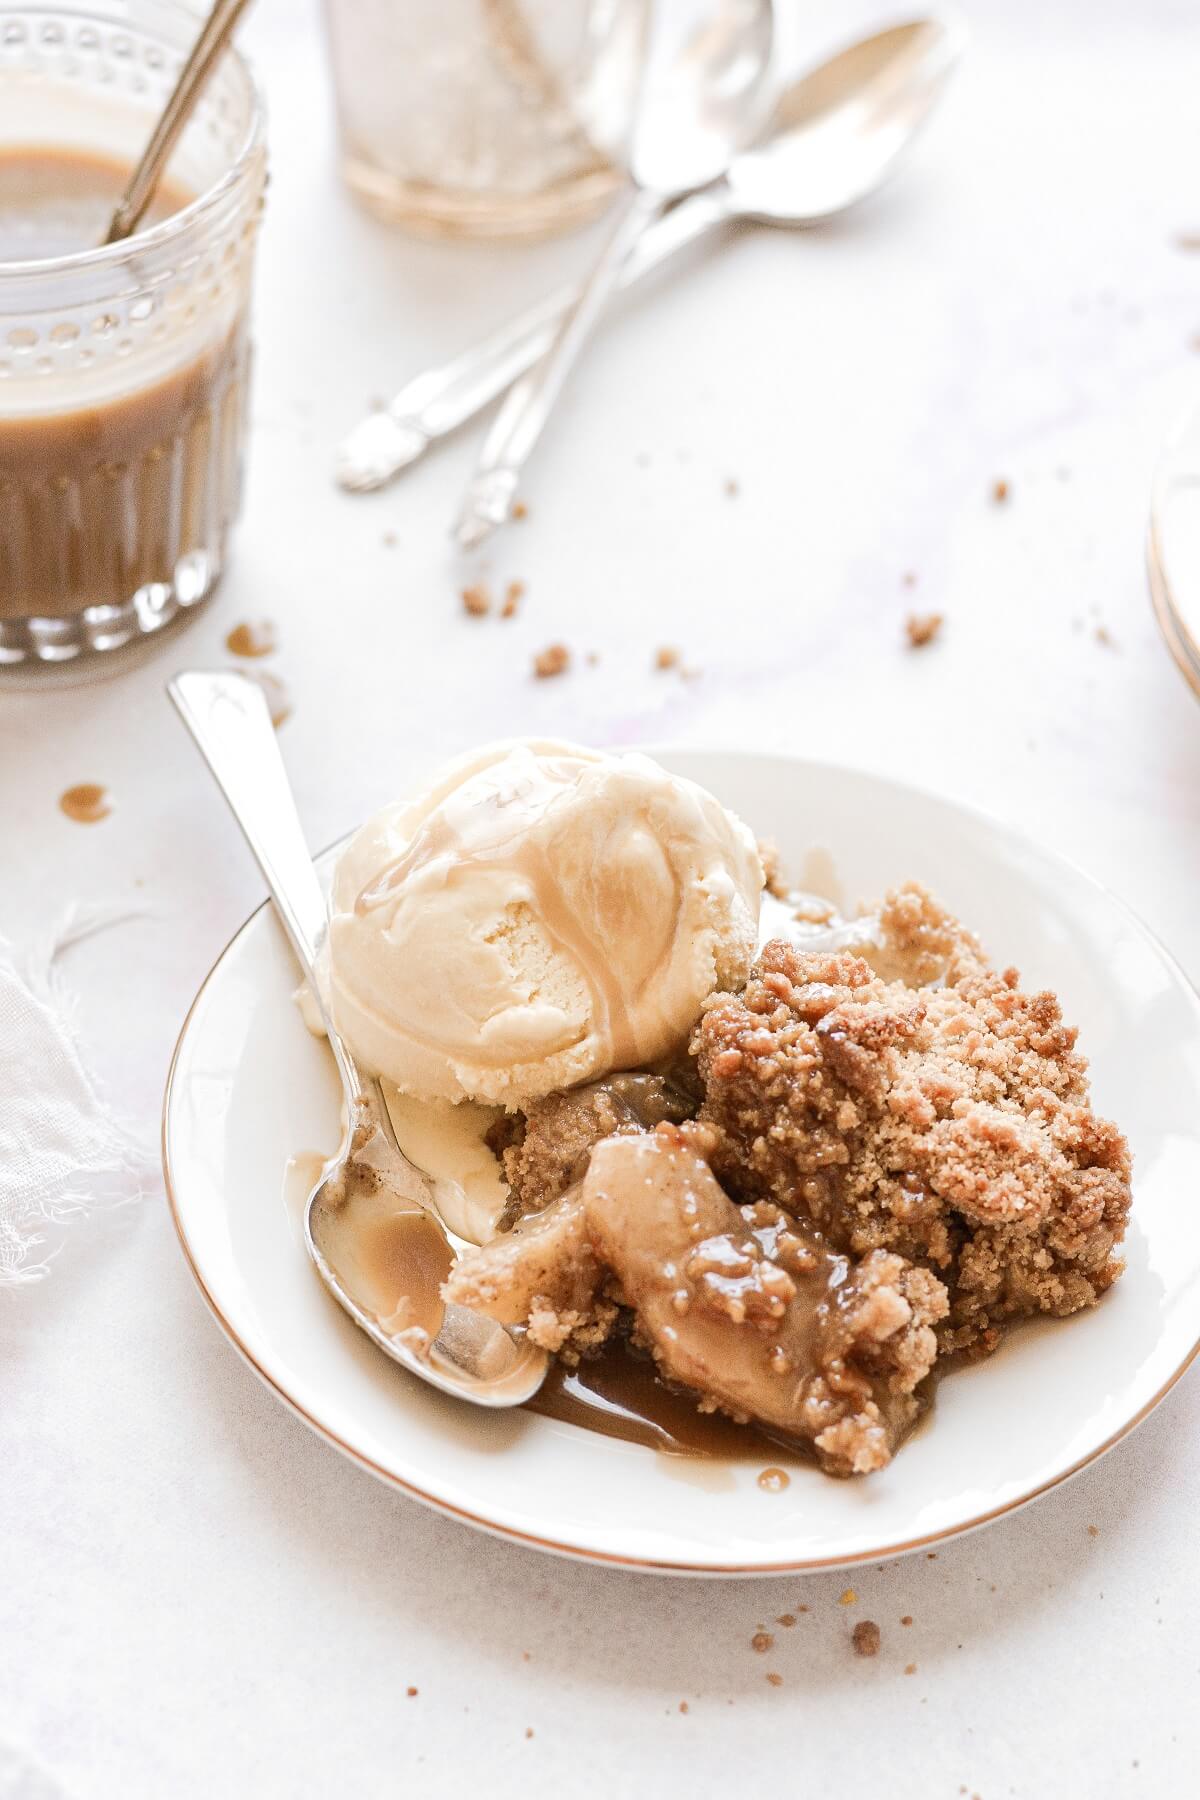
{"points": [[369, 1183], [835, 136]]}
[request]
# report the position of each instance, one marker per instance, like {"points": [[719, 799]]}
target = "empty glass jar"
{"points": [[484, 117]]}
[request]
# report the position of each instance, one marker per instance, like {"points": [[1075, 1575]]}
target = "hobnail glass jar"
{"points": [[124, 369], [484, 117]]}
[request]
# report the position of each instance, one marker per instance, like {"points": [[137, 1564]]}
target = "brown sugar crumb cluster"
{"points": [[555, 659], [477, 601], [866, 1638], [949, 1124], [922, 628]]}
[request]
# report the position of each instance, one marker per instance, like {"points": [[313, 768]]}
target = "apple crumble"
{"points": [[872, 1157], [921, 1102]]}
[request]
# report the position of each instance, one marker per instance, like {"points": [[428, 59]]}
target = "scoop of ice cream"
{"points": [[540, 915]]}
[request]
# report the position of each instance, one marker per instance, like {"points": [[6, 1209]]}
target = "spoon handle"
{"points": [[439, 400], [521, 420], [207, 50], [228, 717]]}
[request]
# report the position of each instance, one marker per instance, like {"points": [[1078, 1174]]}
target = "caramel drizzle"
{"points": [[439, 839]]}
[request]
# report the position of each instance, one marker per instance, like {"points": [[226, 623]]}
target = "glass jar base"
{"points": [[439, 212], [98, 640]]}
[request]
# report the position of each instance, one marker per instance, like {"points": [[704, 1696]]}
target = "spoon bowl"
{"points": [[704, 91], [839, 131]]}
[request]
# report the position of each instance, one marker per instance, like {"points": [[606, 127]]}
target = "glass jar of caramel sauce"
{"points": [[123, 369]]}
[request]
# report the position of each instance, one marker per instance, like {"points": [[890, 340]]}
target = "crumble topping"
{"points": [[950, 1125]]}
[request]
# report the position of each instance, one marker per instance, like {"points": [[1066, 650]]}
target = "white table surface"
{"points": [[198, 1597]]}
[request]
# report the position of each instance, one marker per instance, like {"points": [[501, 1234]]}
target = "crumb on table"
{"points": [[555, 659], [477, 601], [1000, 491], [666, 657], [520, 510], [922, 628], [514, 593], [762, 1641], [866, 1638]]}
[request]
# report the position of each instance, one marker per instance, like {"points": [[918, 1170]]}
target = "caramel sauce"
{"points": [[619, 1395], [106, 484], [405, 1259], [774, 1481], [54, 201], [87, 803], [501, 834], [255, 637]]}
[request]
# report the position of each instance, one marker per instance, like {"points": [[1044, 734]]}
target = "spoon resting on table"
{"points": [[463, 1354], [836, 135], [702, 96]]}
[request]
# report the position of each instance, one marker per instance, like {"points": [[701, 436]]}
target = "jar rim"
{"points": [[177, 224]]}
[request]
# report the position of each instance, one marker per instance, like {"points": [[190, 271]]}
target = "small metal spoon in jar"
{"points": [[370, 1187], [207, 51], [835, 136]]}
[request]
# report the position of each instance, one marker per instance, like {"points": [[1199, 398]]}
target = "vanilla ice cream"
{"points": [[538, 916]]}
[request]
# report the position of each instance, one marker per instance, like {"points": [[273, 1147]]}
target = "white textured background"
{"points": [[197, 1597]]}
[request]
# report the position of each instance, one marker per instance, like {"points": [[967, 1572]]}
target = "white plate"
{"points": [[249, 1086], [1173, 546]]}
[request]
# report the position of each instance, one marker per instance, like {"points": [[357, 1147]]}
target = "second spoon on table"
{"points": [[835, 136], [702, 97]]}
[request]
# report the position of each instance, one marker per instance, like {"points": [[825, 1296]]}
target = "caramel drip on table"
{"points": [[254, 637], [87, 803]]}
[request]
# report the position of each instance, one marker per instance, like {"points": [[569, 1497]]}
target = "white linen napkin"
{"points": [[63, 1152]]}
